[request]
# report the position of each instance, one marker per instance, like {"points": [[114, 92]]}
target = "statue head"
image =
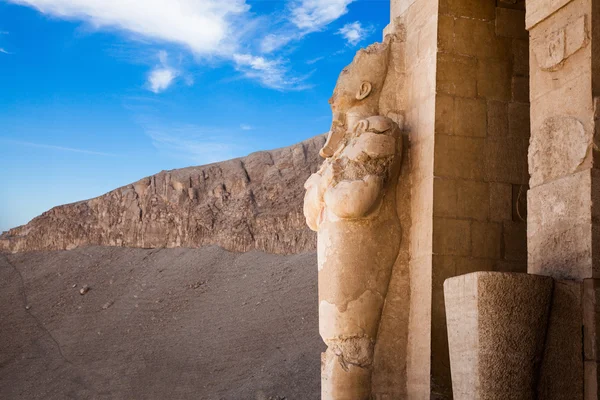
{"points": [[356, 94]]}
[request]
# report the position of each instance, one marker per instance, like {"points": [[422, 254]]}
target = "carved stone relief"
{"points": [[552, 51], [559, 147]]}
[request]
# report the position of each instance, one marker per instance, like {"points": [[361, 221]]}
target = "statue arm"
{"points": [[370, 157], [315, 186], [313, 201], [354, 199], [376, 145]]}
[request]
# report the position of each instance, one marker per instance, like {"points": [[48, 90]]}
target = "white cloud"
{"points": [[270, 73], [314, 15], [272, 42], [210, 29], [162, 76], [353, 33], [314, 60], [205, 26], [304, 17], [246, 127], [163, 57]]}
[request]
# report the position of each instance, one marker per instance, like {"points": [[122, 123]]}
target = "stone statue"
{"points": [[351, 203]]}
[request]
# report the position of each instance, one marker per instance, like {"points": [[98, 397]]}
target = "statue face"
{"points": [[356, 94], [346, 98]]}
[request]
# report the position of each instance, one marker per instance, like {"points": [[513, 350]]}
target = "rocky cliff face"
{"points": [[243, 204]]}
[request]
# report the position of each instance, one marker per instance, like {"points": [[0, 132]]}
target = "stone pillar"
{"points": [[467, 116], [496, 330], [563, 232], [480, 157]]}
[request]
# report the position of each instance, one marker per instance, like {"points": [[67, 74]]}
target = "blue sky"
{"points": [[96, 94]]}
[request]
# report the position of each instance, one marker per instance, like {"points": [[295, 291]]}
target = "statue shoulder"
{"points": [[374, 137], [377, 124]]}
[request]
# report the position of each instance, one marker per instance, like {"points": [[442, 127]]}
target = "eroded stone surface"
{"points": [[561, 371], [562, 239], [560, 147], [351, 203], [539, 10], [248, 203], [496, 332], [552, 50], [559, 232]]}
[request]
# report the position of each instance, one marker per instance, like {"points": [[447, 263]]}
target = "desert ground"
{"points": [[158, 324]]}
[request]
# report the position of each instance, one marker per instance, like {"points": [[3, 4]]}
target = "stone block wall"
{"points": [[480, 155], [421, 31], [415, 21], [389, 365], [563, 224], [562, 146], [471, 70], [466, 103]]}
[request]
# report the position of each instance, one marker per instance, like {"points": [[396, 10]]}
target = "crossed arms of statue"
{"points": [[349, 184]]}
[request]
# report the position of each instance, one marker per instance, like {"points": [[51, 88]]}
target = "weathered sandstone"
{"points": [[243, 204], [351, 203], [496, 332]]}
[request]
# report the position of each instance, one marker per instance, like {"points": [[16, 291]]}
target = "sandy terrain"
{"points": [[158, 324]]}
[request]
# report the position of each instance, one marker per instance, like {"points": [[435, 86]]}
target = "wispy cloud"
{"points": [[270, 73], [163, 75], [314, 15], [272, 42], [314, 60], [161, 78], [212, 30], [3, 50], [54, 147], [304, 17], [354, 33], [200, 145], [207, 27], [246, 127]]}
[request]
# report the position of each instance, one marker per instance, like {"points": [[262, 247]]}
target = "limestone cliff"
{"points": [[242, 204]]}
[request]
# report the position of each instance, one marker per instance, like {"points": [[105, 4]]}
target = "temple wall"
{"points": [[562, 122], [402, 353], [476, 146], [563, 228], [480, 157], [389, 372], [466, 103], [418, 20]]}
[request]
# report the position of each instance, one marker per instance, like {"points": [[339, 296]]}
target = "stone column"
{"points": [[496, 330], [480, 157], [563, 232], [467, 116]]}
